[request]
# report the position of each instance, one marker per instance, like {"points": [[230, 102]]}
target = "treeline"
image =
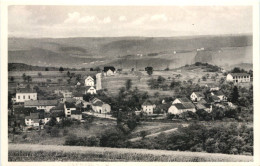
{"points": [[219, 138]]}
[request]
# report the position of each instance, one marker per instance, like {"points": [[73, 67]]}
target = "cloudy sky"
{"points": [[100, 21]]}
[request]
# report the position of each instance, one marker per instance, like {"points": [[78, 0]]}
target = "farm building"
{"points": [[89, 81], [76, 114], [148, 107], [238, 77], [41, 104], [109, 71], [68, 107], [25, 94], [99, 106], [181, 107], [197, 96]]}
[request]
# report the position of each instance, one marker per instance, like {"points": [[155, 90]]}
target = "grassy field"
{"points": [[26, 152]]}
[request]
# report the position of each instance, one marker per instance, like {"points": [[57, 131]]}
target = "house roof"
{"points": [[76, 112], [33, 116], [187, 105], [57, 113], [183, 99], [147, 102], [41, 103], [89, 77], [199, 94], [77, 94], [25, 90], [218, 93], [239, 74], [70, 105], [98, 103], [70, 100], [215, 98], [112, 68], [23, 110], [60, 106], [88, 87]]}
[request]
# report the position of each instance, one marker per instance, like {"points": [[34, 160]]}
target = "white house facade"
{"points": [[89, 81], [238, 77], [23, 95]]}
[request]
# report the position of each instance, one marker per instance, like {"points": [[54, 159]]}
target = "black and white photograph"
{"points": [[108, 83]]}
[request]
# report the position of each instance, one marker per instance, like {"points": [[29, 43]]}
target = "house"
{"points": [[148, 107], [220, 95], [68, 107], [78, 96], [181, 107], [109, 71], [33, 120], [89, 81], [67, 94], [197, 96], [25, 94], [99, 106], [212, 87], [90, 90], [238, 77], [41, 104], [181, 100], [58, 112], [215, 99], [76, 114]]}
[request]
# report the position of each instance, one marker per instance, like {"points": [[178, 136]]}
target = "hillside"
{"points": [[91, 52], [31, 152]]}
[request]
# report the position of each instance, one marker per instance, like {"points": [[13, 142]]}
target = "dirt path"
{"points": [[154, 134]]}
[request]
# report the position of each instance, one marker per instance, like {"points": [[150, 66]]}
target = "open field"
{"points": [[26, 152]]}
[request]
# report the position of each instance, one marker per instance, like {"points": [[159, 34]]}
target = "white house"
{"points": [[148, 107], [101, 107], [68, 107], [66, 94], [89, 81], [181, 107], [197, 96], [41, 104], [91, 90], [109, 71], [238, 77], [25, 94], [220, 95]]}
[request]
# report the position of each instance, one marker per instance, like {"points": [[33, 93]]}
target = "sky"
{"points": [[116, 21]]}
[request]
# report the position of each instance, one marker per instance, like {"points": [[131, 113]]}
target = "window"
{"points": [[18, 97], [29, 97], [23, 97]]}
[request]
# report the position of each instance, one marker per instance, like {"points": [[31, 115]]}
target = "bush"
{"points": [[55, 132]]}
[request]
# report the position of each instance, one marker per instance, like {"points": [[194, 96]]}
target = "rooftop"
{"points": [[76, 112], [187, 105], [239, 74], [70, 105], [199, 94], [25, 90], [147, 102], [183, 99], [41, 103]]}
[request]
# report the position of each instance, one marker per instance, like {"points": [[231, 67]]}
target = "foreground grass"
{"points": [[29, 152]]}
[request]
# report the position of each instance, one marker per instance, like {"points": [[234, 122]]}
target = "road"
{"points": [[107, 116]]}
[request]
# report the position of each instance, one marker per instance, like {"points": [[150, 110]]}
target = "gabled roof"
{"points": [[215, 98], [239, 74], [218, 93], [112, 68], [98, 103], [187, 105], [33, 116], [89, 77], [199, 94], [23, 110], [147, 102], [60, 106], [41, 103], [25, 90], [183, 99], [70, 105]]}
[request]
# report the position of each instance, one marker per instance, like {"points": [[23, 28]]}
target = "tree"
{"points": [[40, 74], [28, 79], [143, 134], [24, 77], [68, 73], [46, 69], [128, 84], [78, 77], [61, 69], [12, 79], [149, 70], [234, 95]]}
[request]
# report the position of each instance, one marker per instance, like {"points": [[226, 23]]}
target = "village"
{"points": [[28, 111]]}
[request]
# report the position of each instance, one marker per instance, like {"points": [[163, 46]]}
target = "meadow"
{"points": [[26, 152]]}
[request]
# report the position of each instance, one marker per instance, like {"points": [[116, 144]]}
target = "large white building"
{"points": [[148, 107], [25, 94], [238, 77]]}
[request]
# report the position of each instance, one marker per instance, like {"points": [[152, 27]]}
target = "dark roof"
{"points": [[218, 93], [186, 105], [76, 112], [70, 105], [70, 100], [23, 110], [239, 74], [25, 90], [41, 103], [147, 102], [183, 99], [88, 87], [199, 94], [109, 68], [57, 113], [60, 106], [33, 116], [77, 94]]}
